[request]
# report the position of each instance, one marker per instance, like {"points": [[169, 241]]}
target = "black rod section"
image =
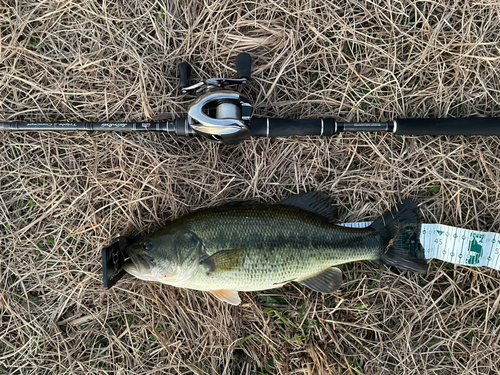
{"points": [[178, 127], [102, 126], [365, 127], [449, 126], [282, 127]]}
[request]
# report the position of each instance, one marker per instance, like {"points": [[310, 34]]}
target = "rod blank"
{"points": [[102, 126]]}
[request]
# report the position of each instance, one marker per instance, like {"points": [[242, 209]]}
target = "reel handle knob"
{"points": [[244, 65], [184, 74]]}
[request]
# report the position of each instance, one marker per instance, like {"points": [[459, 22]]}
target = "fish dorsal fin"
{"points": [[229, 296], [244, 203], [224, 261], [327, 281], [314, 201]]}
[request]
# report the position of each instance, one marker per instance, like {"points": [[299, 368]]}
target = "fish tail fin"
{"points": [[400, 232]]}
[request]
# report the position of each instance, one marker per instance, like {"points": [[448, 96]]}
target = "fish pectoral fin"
{"points": [[229, 296], [327, 281], [224, 261]]}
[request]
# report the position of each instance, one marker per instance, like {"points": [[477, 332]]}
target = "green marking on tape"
{"points": [[476, 249]]}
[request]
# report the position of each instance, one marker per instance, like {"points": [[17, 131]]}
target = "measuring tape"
{"points": [[456, 245]]}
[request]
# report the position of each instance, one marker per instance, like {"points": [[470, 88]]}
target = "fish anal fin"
{"points": [[224, 261], [229, 296], [327, 281]]}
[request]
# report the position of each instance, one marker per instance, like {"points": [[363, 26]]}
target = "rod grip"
{"points": [[282, 127], [449, 126]]}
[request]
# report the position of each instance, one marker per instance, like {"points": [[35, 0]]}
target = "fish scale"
{"points": [[248, 247]]}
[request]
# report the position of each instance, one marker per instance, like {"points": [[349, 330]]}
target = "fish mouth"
{"points": [[141, 267], [130, 268], [141, 264]]}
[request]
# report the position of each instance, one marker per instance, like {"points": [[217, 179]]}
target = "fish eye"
{"points": [[148, 246]]}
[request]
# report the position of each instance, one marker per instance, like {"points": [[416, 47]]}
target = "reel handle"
{"points": [[184, 74], [244, 65]]}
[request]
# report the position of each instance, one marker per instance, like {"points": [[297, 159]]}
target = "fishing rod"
{"points": [[222, 114]]}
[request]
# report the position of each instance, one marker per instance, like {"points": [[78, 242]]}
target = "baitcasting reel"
{"points": [[219, 113]]}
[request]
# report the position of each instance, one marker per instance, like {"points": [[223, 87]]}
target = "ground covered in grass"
{"points": [[65, 196]]}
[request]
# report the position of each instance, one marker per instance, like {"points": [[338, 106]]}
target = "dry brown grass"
{"points": [[64, 196]]}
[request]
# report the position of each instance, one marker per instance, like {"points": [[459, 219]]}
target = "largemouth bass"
{"points": [[249, 246]]}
